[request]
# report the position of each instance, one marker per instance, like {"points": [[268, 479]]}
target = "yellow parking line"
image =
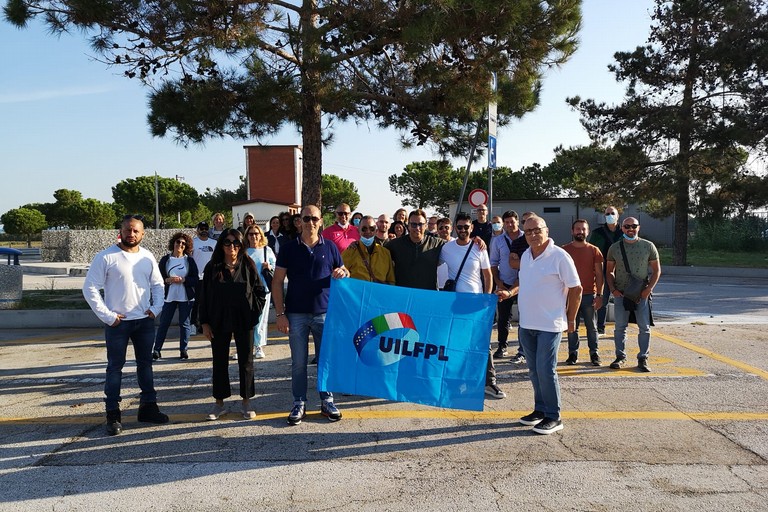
{"points": [[713, 355], [417, 414]]}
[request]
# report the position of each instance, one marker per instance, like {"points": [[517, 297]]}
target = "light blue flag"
{"points": [[406, 344]]}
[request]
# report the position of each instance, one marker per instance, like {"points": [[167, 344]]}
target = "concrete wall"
{"points": [[81, 246]]}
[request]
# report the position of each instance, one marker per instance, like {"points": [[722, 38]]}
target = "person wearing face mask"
{"points": [[632, 256], [356, 218], [603, 237], [367, 259], [497, 225]]}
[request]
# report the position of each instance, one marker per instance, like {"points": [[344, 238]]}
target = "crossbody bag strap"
{"points": [[462, 262], [365, 261]]}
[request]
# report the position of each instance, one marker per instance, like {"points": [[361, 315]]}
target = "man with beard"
{"points": [[589, 264], [133, 297]]}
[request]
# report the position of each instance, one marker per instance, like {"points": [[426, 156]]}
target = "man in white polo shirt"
{"points": [[549, 298]]}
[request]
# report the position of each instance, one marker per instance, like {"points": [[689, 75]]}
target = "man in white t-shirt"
{"points": [[470, 267], [549, 298], [202, 250], [133, 297]]}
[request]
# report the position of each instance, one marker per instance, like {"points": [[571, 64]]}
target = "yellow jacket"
{"points": [[380, 262]]}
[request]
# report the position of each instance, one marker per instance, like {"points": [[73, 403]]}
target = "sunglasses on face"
{"points": [[180, 242], [308, 219], [416, 225], [462, 227], [444, 227], [631, 226], [367, 228], [231, 243], [534, 231]]}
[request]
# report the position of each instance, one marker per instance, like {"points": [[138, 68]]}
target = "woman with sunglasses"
{"points": [[180, 276], [231, 303], [264, 259]]}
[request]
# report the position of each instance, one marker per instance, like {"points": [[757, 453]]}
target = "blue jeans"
{"points": [[643, 316], [300, 325], [260, 330], [141, 333], [586, 310], [166, 316], [540, 349]]}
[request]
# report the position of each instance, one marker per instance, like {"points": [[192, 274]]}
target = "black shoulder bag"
{"points": [[635, 285], [450, 284]]}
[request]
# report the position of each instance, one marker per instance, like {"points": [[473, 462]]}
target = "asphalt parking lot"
{"points": [[691, 434]]}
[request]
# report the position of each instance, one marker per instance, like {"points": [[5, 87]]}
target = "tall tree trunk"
{"points": [[311, 112], [683, 161]]}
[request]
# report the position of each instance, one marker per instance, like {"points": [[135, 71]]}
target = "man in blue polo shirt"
{"points": [[309, 262]]}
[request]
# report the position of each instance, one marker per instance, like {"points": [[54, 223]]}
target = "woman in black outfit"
{"points": [[231, 302]]}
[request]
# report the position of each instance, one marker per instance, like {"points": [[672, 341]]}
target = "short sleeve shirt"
{"points": [[639, 255], [309, 274]]}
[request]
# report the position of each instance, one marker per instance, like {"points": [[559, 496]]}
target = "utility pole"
{"points": [[157, 204], [178, 214]]}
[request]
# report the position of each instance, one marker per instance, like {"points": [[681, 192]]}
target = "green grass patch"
{"points": [[53, 299], [711, 258]]}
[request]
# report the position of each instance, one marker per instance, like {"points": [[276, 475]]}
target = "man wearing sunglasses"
{"points": [[641, 255], [342, 233], [309, 262], [367, 259], [133, 297]]}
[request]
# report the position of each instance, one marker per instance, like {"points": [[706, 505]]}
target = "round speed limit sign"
{"points": [[477, 197]]}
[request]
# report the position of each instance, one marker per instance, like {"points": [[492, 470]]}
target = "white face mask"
{"points": [[496, 226], [610, 219], [367, 241]]}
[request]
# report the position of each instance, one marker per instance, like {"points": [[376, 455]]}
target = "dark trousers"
{"points": [[196, 303], [220, 350], [504, 321]]}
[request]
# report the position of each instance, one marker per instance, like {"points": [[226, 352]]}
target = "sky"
{"points": [[70, 121]]}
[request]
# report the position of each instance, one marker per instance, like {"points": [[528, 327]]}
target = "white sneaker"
{"points": [[259, 353], [234, 356]]}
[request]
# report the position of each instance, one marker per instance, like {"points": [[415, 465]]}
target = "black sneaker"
{"points": [[150, 413], [601, 330], [518, 359], [532, 419], [594, 358], [548, 426], [156, 355], [619, 363], [313, 362], [184, 355], [495, 391], [642, 364], [573, 358], [114, 426], [500, 352]]}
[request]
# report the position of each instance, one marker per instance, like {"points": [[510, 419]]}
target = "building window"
{"points": [[551, 209]]}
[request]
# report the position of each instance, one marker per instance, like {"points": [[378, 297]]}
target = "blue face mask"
{"points": [[496, 226], [367, 241], [610, 219], [355, 222], [630, 237]]}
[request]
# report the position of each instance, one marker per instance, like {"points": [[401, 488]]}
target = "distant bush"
{"points": [[748, 234]]}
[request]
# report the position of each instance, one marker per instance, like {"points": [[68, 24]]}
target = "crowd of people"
{"points": [[222, 281]]}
